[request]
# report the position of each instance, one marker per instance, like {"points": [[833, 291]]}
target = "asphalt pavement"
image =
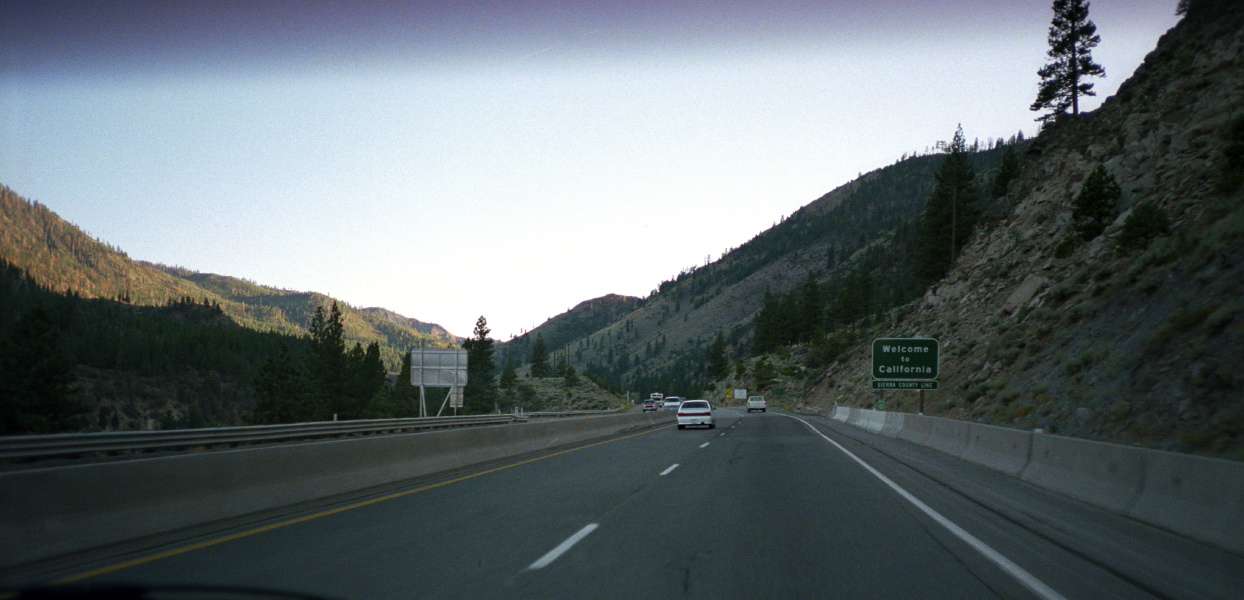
{"points": [[765, 505]]}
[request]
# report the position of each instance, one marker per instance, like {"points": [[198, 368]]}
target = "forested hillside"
{"points": [[583, 320], [61, 257], [69, 363], [847, 256]]}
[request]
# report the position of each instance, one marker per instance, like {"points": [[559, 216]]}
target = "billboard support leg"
{"points": [[447, 396]]}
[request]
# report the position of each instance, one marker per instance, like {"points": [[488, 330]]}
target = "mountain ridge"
{"points": [[662, 342], [60, 256], [1140, 344]]}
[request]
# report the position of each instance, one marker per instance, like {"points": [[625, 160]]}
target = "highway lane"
{"points": [[762, 506]]}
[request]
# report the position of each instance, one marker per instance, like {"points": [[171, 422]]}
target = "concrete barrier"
{"points": [[872, 420], [52, 511], [999, 448], [841, 413], [1105, 475], [948, 435], [1197, 497], [1200, 497], [894, 423], [916, 429]]}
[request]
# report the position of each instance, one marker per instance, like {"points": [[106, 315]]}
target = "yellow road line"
{"points": [[220, 540]]}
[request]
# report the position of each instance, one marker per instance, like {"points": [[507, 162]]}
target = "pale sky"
{"points": [[507, 159]]}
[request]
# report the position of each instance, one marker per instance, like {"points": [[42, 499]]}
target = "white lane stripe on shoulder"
{"points": [[672, 467], [1025, 578], [561, 548]]}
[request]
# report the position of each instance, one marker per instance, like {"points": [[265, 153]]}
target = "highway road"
{"points": [[766, 505]]}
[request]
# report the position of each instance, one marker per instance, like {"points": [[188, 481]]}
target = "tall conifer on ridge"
{"points": [[1072, 39]]}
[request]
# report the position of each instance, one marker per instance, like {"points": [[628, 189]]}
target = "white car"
{"points": [[756, 403], [696, 413], [671, 403]]}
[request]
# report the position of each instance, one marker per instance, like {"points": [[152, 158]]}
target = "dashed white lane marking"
{"points": [[672, 467], [721, 434], [561, 548], [1024, 577], [704, 444]]}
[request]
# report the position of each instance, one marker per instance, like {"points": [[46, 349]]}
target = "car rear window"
{"points": [[695, 405]]}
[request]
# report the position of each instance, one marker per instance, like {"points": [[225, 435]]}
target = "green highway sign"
{"points": [[905, 359], [904, 385]]}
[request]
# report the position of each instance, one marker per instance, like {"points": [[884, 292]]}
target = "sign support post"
{"points": [[439, 367]]}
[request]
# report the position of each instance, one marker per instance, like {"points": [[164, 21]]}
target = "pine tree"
{"points": [[403, 376], [718, 366], [539, 358], [405, 396], [810, 309], [36, 377], [949, 214], [1146, 222], [1095, 204], [764, 374], [1072, 39], [326, 363], [509, 378], [280, 394], [1007, 170], [766, 333], [481, 389], [367, 376], [559, 364]]}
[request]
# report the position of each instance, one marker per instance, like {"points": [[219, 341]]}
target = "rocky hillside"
{"points": [[1141, 344], [661, 342]]}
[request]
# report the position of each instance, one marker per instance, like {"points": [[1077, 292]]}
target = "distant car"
{"points": [[671, 403], [756, 403], [650, 405], [696, 413]]}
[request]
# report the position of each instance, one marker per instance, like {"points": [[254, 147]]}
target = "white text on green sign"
{"points": [[905, 358], [879, 384]]}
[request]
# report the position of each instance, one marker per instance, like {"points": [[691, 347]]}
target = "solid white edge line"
{"points": [[704, 444], [672, 467], [1025, 578], [561, 548]]}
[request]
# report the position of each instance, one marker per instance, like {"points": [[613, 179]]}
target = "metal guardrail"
{"points": [[569, 413], [65, 444]]}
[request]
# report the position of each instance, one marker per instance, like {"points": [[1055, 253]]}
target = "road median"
{"points": [[53, 511]]}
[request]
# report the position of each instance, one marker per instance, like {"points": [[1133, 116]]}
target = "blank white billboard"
{"points": [[438, 367]]}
